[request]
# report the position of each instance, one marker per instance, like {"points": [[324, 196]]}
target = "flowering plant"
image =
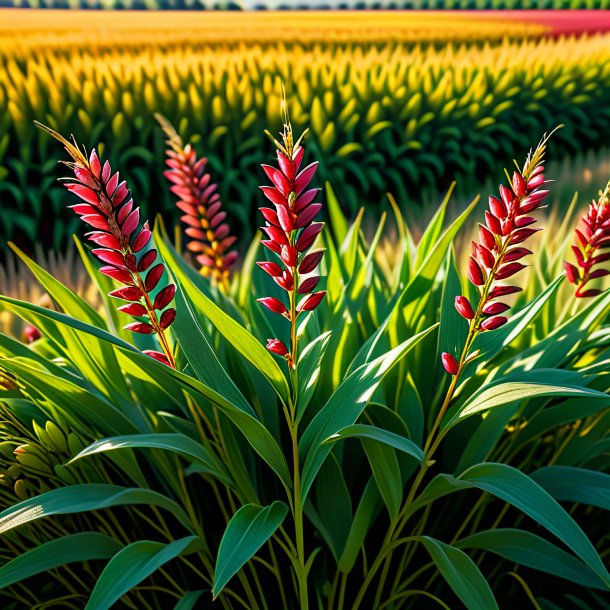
{"points": [[357, 473]]}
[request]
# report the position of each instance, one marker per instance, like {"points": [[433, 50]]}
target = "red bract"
{"points": [[109, 208], [450, 363], [497, 256], [199, 200], [592, 235], [291, 232]]}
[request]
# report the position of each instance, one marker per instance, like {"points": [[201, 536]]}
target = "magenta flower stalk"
{"points": [[291, 230], [496, 256], [106, 206], [592, 235], [199, 200]]}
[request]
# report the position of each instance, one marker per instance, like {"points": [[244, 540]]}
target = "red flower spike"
{"points": [[197, 197], [450, 363], [109, 208], [592, 234], [464, 308], [291, 229], [498, 253]]}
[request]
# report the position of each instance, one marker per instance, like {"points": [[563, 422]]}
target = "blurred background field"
{"points": [[396, 102]]}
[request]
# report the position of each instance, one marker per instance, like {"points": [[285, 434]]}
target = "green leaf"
{"points": [[176, 443], [135, 362], [364, 431], [503, 393], [308, 369], [527, 549], [368, 508], [338, 221], [200, 354], [333, 506], [249, 528], [345, 406], [130, 566], [68, 300], [244, 342], [433, 231], [453, 328], [569, 484], [82, 498], [490, 344], [85, 546], [461, 574], [189, 600]]}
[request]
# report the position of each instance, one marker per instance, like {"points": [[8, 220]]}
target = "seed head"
{"points": [[199, 200], [107, 207], [591, 236]]}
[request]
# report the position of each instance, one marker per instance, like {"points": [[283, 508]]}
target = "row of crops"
{"points": [[395, 116]]}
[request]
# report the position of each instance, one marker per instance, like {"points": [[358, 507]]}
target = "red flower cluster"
{"points": [[291, 231], [106, 206], [200, 202], [508, 224], [592, 235]]}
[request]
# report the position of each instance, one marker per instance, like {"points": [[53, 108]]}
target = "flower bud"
{"points": [[493, 323], [464, 308], [475, 273], [273, 304], [275, 346], [450, 363], [495, 307], [518, 184], [497, 207]]}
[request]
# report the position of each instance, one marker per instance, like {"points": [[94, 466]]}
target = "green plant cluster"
{"points": [[123, 480], [390, 117]]}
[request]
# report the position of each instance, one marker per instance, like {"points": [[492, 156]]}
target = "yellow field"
{"points": [[388, 111], [43, 29]]}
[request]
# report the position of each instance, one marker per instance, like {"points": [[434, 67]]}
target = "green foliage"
{"points": [[123, 480]]}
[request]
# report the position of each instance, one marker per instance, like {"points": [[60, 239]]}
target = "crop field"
{"points": [[402, 105], [302, 311]]}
